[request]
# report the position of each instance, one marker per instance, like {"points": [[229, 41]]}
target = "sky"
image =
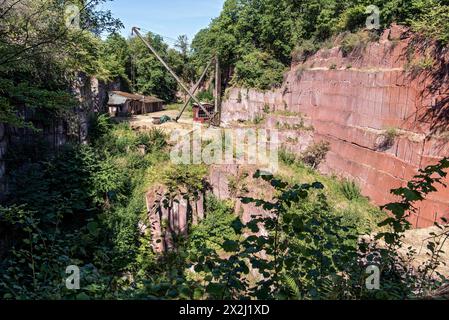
{"points": [[169, 18]]}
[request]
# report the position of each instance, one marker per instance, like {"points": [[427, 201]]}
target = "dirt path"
{"points": [[145, 122]]}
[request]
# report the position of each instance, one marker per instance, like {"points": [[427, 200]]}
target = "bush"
{"points": [[315, 154], [433, 23], [350, 190], [304, 50], [389, 137], [205, 96], [287, 157], [419, 65], [215, 228], [183, 178], [99, 126], [266, 109], [155, 140], [258, 119], [355, 43], [391, 133], [352, 19]]}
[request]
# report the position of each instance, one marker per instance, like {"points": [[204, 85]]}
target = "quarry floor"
{"points": [[145, 122]]}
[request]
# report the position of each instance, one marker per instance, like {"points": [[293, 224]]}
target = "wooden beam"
{"points": [[195, 88], [217, 88], [183, 86]]}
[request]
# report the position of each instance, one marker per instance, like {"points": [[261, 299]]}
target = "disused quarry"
{"points": [[99, 186], [351, 108]]}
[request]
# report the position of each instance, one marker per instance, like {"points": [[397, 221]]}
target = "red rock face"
{"points": [[167, 220], [352, 101]]}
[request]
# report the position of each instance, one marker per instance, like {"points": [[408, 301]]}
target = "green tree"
{"points": [[39, 55], [151, 76], [115, 58]]}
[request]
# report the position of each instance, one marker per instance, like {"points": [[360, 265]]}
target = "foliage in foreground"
{"points": [[84, 206], [302, 251]]}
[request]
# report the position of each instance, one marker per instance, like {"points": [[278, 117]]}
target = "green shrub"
{"points": [[355, 43], [287, 157], [266, 109], [215, 228], [259, 119], [99, 125], [419, 65], [352, 18], [391, 133], [389, 137], [350, 190], [304, 50], [155, 140], [432, 23], [190, 178], [205, 96], [315, 154]]}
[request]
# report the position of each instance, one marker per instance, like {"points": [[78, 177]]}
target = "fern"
{"points": [[292, 287]]}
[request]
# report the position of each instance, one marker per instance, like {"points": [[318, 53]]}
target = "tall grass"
{"points": [[350, 190]]}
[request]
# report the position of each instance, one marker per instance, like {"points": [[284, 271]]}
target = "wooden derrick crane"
{"points": [[214, 118]]}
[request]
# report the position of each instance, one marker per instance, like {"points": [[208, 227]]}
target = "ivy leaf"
{"points": [[93, 228], [386, 222], [398, 209], [198, 268], [82, 296], [389, 238], [318, 186], [246, 200], [230, 246], [253, 226], [237, 225], [215, 289], [298, 225], [412, 195]]}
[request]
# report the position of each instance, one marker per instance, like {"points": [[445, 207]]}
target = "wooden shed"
{"points": [[125, 104]]}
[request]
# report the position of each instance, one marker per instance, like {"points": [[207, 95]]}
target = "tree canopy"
{"points": [[246, 29], [40, 53]]}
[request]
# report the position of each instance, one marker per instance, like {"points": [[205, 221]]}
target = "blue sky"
{"points": [[169, 18]]}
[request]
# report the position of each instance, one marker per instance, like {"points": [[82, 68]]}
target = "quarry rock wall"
{"points": [[54, 133], [384, 113]]}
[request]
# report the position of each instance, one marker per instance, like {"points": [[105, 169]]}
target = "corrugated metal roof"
{"points": [[119, 98]]}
